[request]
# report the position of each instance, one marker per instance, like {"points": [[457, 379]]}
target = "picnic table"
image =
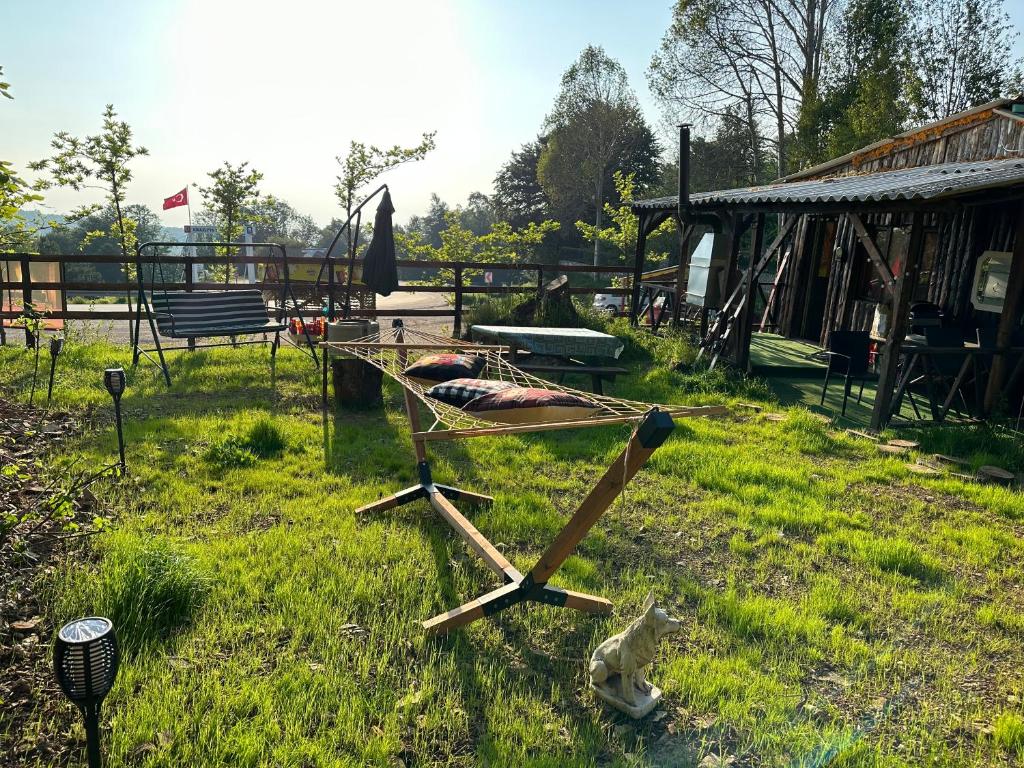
{"points": [[567, 345]]}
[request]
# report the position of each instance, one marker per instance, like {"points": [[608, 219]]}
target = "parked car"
{"points": [[610, 303]]}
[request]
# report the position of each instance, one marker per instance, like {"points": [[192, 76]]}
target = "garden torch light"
{"points": [[85, 659], [114, 380], [56, 347]]}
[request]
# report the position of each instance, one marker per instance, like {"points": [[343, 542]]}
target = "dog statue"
{"points": [[617, 664]]}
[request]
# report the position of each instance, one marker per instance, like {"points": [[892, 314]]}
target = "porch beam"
{"points": [[747, 307], [901, 296], [1009, 320], [873, 253]]}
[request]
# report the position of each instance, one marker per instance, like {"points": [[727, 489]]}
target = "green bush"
{"points": [[263, 440], [147, 588], [1008, 732]]}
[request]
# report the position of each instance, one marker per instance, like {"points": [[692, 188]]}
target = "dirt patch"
{"points": [[42, 512]]}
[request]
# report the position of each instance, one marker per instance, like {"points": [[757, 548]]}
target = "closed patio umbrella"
{"points": [[380, 273]]}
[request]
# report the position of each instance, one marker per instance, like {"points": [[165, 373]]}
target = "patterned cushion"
{"points": [[530, 405], [458, 392], [431, 369]]}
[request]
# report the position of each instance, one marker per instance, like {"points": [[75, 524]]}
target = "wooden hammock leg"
{"points": [[396, 500], [458, 494], [652, 432]]}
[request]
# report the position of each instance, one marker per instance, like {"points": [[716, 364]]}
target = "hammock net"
{"points": [[392, 350]]}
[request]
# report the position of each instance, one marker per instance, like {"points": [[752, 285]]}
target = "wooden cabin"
{"points": [[933, 216]]}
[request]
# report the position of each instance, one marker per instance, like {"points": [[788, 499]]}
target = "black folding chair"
{"points": [[848, 355], [947, 369]]}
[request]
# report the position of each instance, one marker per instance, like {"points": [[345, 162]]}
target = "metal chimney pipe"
{"points": [[686, 216], [684, 168]]}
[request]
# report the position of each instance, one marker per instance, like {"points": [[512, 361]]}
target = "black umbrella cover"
{"points": [[379, 269]]}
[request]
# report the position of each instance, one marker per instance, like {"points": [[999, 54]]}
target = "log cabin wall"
{"points": [[953, 243], [988, 134]]}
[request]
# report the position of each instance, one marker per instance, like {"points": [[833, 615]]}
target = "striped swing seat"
{"points": [[204, 314]]}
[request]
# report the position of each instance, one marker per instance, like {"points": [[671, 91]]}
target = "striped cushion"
{"points": [[211, 313], [458, 392]]}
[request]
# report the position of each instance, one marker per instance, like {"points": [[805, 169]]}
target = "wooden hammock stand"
{"points": [[653, 428]]}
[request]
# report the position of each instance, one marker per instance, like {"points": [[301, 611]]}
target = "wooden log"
{"points": [[357, 384]]}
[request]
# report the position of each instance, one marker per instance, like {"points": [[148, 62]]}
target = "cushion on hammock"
{"points": [[530, 405], [458, 392], [431, 369]]}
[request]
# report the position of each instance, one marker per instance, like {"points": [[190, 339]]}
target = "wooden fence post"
{"points": [[26, 297], [457, 330], [188, 289]]}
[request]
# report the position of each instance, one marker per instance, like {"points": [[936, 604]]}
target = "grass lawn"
{"points": [[837, 609]]}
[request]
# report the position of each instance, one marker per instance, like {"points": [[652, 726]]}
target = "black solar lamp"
{"points": [[114, 380], [85, 660], [56, 347]]}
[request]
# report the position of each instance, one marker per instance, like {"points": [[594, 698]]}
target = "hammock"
{"points": [[391, 351]]}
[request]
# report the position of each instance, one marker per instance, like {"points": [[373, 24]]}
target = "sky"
{"points": [[286, 85]]}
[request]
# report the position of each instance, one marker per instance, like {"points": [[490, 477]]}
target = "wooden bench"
{"points": [[597, 373]]}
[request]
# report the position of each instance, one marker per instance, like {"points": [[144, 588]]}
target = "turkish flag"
{"points": [[176, 200]]}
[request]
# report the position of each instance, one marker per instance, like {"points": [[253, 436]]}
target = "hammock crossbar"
{"points": [[391, 351]]}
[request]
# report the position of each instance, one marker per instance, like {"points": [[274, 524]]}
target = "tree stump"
{"points": [[357, 384]]}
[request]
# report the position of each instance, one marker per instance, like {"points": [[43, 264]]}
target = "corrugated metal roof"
{"points": [[929, 182]]}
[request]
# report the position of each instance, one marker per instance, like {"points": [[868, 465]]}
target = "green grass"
{"points": [[836, 609]]}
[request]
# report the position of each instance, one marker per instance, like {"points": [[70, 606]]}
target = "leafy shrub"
{"points": [[146, 587], [1008, 732], [495, 310], [263, 440]]}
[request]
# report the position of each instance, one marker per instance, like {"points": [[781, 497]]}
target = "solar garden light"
{"points": [[85, 659], [56, 347], [114, 380]]}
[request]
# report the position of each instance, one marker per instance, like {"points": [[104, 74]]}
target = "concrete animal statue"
{"points": [[617, 665]]}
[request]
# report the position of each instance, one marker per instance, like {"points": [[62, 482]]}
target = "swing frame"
{"points": [[143, 305]]}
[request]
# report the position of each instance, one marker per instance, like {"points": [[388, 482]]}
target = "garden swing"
{"points": [[229, 311], [391, 350]]}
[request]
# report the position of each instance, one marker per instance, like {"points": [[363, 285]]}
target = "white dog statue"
{"points": [[617, 664]]}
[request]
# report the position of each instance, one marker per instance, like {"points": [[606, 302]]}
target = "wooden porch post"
{"points": [[684, 252], [747, 308], [1010, 318], [903, 290], [638, 268]]}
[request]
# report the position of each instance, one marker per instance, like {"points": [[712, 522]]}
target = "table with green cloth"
{"points": [[556, 342]]}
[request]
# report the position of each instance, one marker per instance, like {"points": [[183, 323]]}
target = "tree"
{"points": [[502, 244], [15, 194], [761, 59], [625, 226], [595, 121], [105, 157], [871, 84], [5, 88], [518, 196], [235, 190], [432, 223], [962, 54], [278, 222], [364, 163]]}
